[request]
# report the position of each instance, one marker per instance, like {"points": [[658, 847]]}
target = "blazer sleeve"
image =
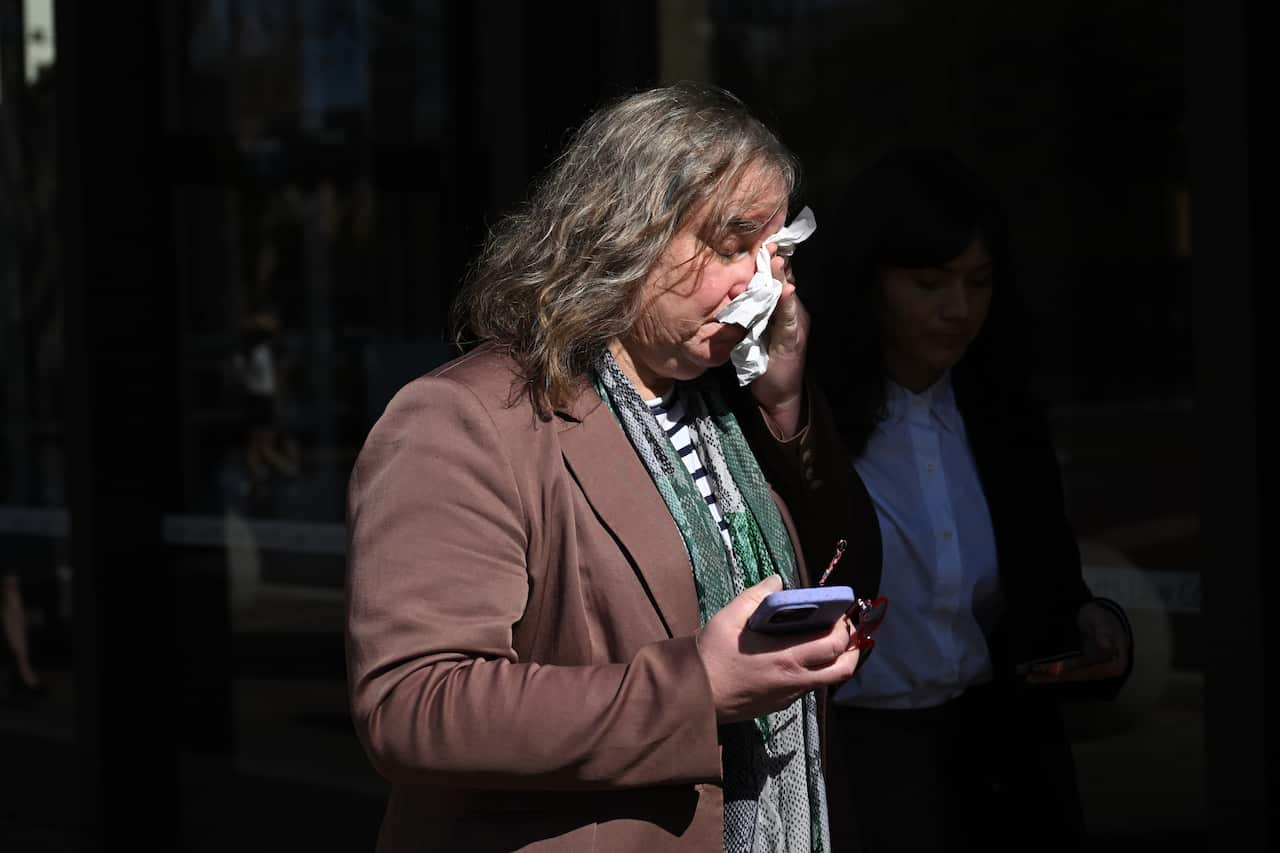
{"points": [[1046, 586], [812, 474], [437, 580]]}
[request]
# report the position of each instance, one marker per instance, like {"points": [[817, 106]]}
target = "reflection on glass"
{"points": [[32, 437], [41, 49], [37, 698], [309, 137]]}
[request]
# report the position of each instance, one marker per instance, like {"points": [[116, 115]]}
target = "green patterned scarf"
{"points": [[774, 796]]}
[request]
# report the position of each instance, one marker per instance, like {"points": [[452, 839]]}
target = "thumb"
{"points": [[1111, 639], [784, 324], [785, 310], [752, 596]]}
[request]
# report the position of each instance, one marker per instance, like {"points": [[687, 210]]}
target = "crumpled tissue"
{"points": [[752, 308]]}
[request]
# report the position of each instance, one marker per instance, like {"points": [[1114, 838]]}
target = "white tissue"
{"points": [[752, 308]]}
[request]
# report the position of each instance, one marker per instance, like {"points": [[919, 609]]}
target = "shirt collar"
{"points": [[939, 400]]}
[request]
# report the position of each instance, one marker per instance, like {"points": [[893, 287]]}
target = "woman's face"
{"points": [[677, 336], [930, 315]]}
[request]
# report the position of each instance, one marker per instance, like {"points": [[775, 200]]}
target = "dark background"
{"points": [[170, 169]]}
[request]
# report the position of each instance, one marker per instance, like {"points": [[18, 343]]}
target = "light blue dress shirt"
{"points": [[939, 572]]}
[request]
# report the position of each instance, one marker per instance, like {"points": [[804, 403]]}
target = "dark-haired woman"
{"points": [[953, 744]]}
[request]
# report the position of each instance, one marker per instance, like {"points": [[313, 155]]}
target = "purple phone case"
{"points": [[797, 610]]}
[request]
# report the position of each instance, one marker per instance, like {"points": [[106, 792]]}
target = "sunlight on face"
{"points": [[702, 269]]}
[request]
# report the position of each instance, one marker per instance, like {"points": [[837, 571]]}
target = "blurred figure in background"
{"points": [[23, 681], [268, 449]]}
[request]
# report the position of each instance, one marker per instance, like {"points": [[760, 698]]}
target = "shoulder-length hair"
{"points": [[561, 277], [914, 208]]}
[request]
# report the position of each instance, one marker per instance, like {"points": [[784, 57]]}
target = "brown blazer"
{"points": [[520, 622]]}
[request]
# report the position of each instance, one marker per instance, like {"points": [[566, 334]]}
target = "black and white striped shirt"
{"points": [[674, 419]]}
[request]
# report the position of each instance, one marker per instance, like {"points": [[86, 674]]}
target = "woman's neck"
{"points": [[916, 378], [647, 385]]}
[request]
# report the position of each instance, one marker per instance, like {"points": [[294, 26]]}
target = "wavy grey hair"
{"points": [[561, 277]]}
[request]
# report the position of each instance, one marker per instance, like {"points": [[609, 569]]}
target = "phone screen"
{"points": [[1052, 665]]}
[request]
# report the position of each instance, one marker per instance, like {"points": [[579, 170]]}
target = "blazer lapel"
{"points": [[621, 492]]}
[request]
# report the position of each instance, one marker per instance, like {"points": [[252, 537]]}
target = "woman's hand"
{"points": [[1104, 644], [753, 674], [780, 391]]}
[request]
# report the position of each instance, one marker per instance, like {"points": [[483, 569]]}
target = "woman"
{"points": [[547, 600], [979, 559]]}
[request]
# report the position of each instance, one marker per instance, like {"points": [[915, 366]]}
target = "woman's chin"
{"points": [[708, 352], [943, 357], [725, 338], [719, 354]]}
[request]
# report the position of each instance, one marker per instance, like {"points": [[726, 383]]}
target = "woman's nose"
{"points": [[744, 271], [740, 287], [956, 304]]}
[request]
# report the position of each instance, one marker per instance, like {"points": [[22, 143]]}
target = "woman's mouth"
{"points": [[726, 332]]}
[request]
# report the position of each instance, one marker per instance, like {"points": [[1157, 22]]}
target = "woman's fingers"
{"points": [[1106, 651], [752, 673], [839, 670], [831, 658], [1098, 671], [823, 649], [786, 327], [780, 265]]}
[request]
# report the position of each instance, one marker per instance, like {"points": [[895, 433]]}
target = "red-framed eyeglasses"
{"points": [[867, 614]]}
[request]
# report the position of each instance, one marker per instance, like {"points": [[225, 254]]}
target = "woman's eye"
{"points": [[928, 283], [730, 253]]}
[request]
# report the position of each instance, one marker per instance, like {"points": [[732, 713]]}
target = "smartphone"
{"points": [[793, 611], [1051, 664]]}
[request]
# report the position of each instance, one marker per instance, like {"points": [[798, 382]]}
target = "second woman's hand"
{"points": [[1105, 650], [753, 674]]}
